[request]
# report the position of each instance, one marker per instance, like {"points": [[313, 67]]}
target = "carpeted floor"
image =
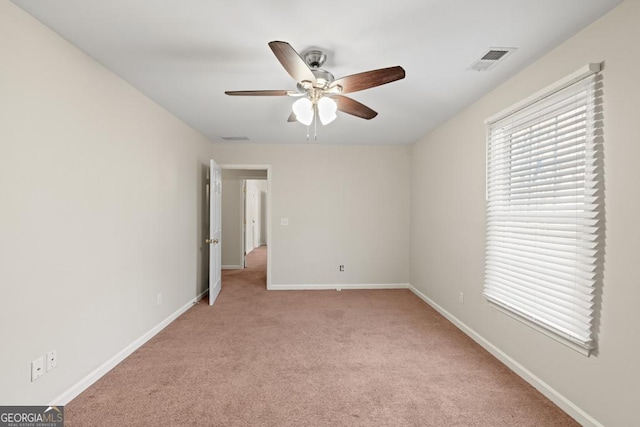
{"points": [[311, 358]]}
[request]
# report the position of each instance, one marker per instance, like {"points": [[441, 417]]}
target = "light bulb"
{"points": [[327, 108], [303, 109]]}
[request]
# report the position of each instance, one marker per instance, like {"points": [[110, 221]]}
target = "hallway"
{"points": [[254, 274]]}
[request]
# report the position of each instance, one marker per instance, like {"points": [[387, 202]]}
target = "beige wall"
{"points": [[345, 204], [448, 224], [101, 194], [232, 214]]}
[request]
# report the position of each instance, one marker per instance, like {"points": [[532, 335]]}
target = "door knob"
{"points": [[211, 241]]}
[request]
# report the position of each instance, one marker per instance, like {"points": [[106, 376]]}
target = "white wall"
{"points": [[101, 194], [345, 204], [232, 214], [448, 224]]}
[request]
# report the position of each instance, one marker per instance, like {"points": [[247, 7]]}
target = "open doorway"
{"points": [[246, 227], [255, 215]]}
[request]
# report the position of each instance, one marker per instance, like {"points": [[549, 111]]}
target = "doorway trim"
{"points": [[266, 167]]}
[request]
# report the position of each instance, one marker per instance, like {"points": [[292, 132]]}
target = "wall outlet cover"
{"points": [[52, 359], [37, 368]]}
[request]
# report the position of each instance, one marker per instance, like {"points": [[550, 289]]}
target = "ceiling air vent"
{"points": [[491, 58], [235, 138]]}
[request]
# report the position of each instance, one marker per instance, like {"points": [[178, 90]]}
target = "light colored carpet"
{"points": [[311, 358]]}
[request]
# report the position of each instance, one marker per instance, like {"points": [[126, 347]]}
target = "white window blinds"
{"points": [[544, 209]]}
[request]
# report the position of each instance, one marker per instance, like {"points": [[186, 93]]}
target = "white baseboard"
{"points": [[338, 286], [101, 370], [565, 404], [231, 267]]}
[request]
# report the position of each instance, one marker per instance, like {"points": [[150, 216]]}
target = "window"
{"points": [[545, 209]]}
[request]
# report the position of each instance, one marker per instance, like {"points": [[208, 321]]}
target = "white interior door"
{"points": [[244, 223], [215, 231], [248, 218]]}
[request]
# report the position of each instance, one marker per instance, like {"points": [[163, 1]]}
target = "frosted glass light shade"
{"points": [[303, 109], [327, 108]]}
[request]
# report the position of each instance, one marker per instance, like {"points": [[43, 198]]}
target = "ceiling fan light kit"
{"points": [[327, 108], [303, 110], [321, 95]]}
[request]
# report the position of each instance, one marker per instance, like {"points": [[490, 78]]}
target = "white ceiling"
{"points": [[185, 54]]}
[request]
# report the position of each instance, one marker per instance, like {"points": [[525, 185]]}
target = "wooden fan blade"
{"points": [[259, 92], [373, 78], [353, 107], [292, 117], [292, 62]]}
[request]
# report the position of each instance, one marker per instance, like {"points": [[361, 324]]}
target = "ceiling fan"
{"points": [[321, 95]]}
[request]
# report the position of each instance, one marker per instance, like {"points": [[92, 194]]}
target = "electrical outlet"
{"points": [[461, 297], [284, 221], [342, 268], [159, 299], [37, 368], [52, 360]]}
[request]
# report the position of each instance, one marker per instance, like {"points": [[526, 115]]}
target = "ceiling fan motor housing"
{"points": [[315, 58], [323, 80]]}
